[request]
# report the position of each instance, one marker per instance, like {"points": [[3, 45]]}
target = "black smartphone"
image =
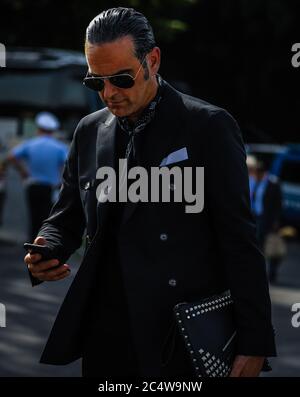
{"points": [[43, 250]]}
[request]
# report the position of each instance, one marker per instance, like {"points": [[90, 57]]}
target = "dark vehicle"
{"points": [[42, 79], [283, 161]]}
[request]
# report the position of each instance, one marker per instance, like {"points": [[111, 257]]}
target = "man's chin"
{"points": [[118, 111]]}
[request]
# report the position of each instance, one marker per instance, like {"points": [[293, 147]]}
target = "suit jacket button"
{"points": [[172, 282], [163, 237], [87, 186]]}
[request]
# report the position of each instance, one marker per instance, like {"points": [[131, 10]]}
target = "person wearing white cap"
{"points": [[44, 157], [47, 121]]}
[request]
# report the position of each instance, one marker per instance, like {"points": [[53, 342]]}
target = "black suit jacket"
{"points": [[200, 254]]}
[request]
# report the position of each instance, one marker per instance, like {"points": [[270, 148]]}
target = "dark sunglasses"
{"points": [[123, 80]]}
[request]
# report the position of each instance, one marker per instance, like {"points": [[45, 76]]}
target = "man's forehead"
{"points": [[120, 48], [111, 57]]}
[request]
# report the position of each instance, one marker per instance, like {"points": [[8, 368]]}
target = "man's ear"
{"points": [[154, 61]]}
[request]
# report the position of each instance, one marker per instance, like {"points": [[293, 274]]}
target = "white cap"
{"points": [[47, 121], [251, 161]]}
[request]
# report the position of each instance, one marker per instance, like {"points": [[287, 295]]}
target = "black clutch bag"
{"points": [[208, 329]]}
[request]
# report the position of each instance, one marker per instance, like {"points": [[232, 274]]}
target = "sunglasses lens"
{"points": [[94, 83], [122, 81]]}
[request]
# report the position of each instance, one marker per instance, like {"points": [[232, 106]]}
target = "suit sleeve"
{"points": [[227, 192], [64, 227]]}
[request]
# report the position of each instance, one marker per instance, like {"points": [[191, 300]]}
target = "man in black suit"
{"points": [[142, 257]]}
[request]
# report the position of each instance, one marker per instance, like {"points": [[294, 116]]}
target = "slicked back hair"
{"points": [[116, 23]]}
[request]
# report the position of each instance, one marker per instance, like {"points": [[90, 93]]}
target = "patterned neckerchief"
{"points": [[145, 118]]}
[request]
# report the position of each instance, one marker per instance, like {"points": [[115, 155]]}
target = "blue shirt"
{"points": [[259, 188], [44, 157], [252, 183]]}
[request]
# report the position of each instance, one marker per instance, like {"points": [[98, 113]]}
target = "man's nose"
{"points": [[109, 89]]}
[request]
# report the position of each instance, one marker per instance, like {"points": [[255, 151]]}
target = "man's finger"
{"points": [[237, 367], [44, 265], [61, 276], [253, 367], [32, 258], [51, 274], [46, 277]]}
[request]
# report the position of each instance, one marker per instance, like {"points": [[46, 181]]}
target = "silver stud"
{"points": [[172, 282], [163, 237]]}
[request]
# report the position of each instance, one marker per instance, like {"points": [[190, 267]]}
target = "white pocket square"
{"points": [[175, 157]]}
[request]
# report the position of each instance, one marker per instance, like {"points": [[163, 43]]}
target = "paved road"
{"points": [[30, 313]]}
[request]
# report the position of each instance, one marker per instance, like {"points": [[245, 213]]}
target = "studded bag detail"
{"points": [[208, 329]]}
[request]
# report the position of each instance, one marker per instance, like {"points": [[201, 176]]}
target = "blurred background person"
{"points": [[266, 203], [39, 161], [251, 162]]}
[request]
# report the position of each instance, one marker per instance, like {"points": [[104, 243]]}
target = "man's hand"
{"points": [[247, 366], [42, 270]]}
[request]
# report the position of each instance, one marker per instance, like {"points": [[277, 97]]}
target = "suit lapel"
{"points": [[105, 156]]}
